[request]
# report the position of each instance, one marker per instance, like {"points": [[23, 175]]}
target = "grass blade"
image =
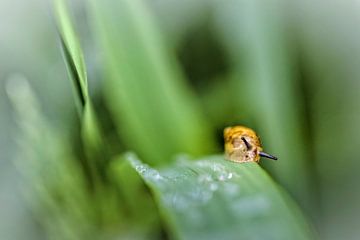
{"points": [[104, 199], [73, 55], [216, 199], [91, 132], [142, 217], [53, 181], [153, 108]]}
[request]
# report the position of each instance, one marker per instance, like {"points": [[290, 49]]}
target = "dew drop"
{"points": [[140, 168], [143, 168], [222, 177]]}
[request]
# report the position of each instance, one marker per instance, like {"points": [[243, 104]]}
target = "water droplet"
{"points": [[143, 169], [140, 168], [221, 177]]}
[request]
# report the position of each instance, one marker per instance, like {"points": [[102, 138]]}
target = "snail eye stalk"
{"points": [[262, 154], [242, 144], [248, 146]]}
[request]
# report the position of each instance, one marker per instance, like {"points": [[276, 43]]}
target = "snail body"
{"points": [[242, 144]]}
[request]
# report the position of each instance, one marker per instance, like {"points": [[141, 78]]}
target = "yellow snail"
{"points": [[243, 145]]}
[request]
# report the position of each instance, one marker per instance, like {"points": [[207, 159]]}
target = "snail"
{"points": [[243, 145]]}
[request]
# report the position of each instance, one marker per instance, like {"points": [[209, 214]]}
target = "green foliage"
{"points": [[212, 198], [106, 185], [142, 218], [87, 193], [57, 190], [74, 61], [144, 87], [74, 58]]}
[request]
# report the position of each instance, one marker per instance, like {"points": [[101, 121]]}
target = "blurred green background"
{"points": [[288, 69]]}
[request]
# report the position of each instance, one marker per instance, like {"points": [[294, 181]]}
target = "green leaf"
{"points": [[53, 181], [91, 132], [72, 51], [216, 199], [94, 146], [153, 108], [142, 217]]}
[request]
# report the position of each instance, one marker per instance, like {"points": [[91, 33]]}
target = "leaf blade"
{"points": [[73, 55], [91, 131], [217, 199], [153, 108]]}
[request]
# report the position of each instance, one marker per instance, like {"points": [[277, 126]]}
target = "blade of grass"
{"points": [[91, 132], [212, 198], [138, 225], [97, 157], [141, 211], [53, 182], [153, 108], [72, 53]]}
